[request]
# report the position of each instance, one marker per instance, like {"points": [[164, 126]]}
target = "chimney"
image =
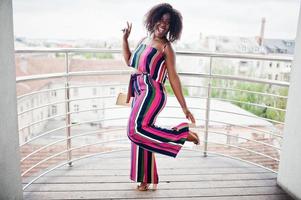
{"points": [[260, 39]]}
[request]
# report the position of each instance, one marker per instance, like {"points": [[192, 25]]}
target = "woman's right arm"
{"points": [[125, 45]]}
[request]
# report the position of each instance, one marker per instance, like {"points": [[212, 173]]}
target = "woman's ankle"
{"points": [[190, 137], [193, 137]]}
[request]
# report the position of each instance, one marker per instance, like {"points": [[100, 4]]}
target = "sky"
{"points": [[104, 19]]}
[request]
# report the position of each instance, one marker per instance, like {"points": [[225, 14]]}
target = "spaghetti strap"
{"points": [[164, 47]]}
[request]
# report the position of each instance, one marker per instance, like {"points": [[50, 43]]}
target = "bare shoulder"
{"points": [[169, 51], [141, 40]]}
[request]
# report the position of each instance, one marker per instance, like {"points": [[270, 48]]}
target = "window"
{"points": [[243, 40], [276, 77], [76, 107], [271, 64], [288, 43], [258, 64], [269, 76], [277, 65], [53, 93], [225, 40], [94, 108], [244, 48], [53, 109], [112, 91]]}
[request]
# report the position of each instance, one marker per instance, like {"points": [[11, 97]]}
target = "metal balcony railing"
{"points": [[240, 151]]}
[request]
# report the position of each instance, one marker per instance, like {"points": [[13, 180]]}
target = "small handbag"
{"points": [[122, 100]]}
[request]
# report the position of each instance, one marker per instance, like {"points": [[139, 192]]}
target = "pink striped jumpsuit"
{"points": [[149, 94]]}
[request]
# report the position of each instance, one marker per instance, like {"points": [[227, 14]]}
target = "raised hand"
{"points": [[127, 30]]}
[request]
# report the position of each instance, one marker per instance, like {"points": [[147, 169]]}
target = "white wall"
{"points": [[289, 177], [10, 179]]}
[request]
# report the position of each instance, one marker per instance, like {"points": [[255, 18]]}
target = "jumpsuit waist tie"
{"points": [[133, 78]]}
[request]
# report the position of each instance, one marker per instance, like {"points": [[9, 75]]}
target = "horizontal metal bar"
{"points": [[67, 50], [246, 161], [248, 91], [97, 85], [97, 73], [61, 115], [192, 97], [43, 134], [38, 92], [40, 77], [247, 127], [248, 103], [63, 88], [42, 106], [67, 138], [246, 149], [70, 74], [124, 72], [236, 56], [94, 97], [237, 78], [258, 142], [64, 101], [71, 149], [70, 125], [40, 121], [183, 53], [254, 80], [256, 117], [195, 86], [96, 109]]}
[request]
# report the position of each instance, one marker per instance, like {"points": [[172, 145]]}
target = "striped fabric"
{"points": [[143, 165], [149, 99], [148, 59]]}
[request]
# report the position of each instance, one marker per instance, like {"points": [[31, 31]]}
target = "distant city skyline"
{"points": [[104, 19]]}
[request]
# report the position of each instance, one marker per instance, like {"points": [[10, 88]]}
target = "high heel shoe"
{"points": [[146, 187], [197, 139], [193, 137], [197, 142], [143, 187]]}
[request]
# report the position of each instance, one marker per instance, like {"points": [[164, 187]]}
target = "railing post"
{"points": [[207, 109], [67, 110]]}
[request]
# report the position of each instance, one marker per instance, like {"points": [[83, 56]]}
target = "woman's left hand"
{"points": [[189, 115]]}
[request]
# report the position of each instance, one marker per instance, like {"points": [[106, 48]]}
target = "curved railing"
{"points": [[259, 145]]}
